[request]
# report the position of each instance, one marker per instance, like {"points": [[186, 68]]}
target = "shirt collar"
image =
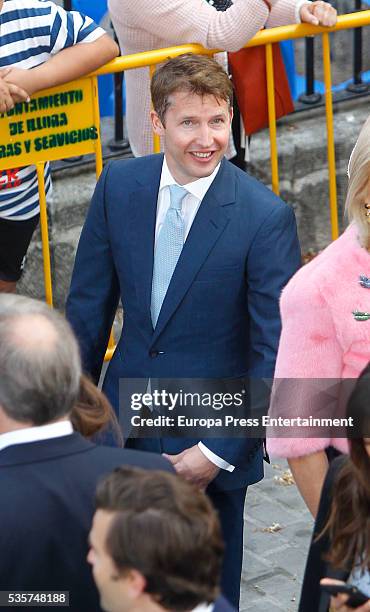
{"points": [[204, 608], [35, 434], [197, 188]]}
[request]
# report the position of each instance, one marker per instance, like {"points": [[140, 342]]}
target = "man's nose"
{"points": [[205, 136]]}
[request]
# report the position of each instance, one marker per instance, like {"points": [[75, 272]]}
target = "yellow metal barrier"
{"points": [[156, 139], [272, 118], [57, 123], [40, 168], [330, 137]]}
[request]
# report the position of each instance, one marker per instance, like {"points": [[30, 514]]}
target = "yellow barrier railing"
{"points": [[57, 123]]}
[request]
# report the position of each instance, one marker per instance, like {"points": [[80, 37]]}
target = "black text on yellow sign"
{"points": [[56, 123]]}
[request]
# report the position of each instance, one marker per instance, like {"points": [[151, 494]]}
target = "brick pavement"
{"points": [[276, 538]]}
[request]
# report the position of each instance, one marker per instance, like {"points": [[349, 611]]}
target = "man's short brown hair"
{"points": [[195, 74], [168, 531]]}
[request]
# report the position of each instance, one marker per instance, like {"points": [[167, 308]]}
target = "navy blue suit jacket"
{"points": [[47, 491], [220, 316]]}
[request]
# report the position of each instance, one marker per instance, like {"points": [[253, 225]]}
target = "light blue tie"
{"points": [[167, 250]]}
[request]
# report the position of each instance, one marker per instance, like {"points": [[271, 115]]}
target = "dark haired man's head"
{"points": [[192, 101], [155, 543], [40, 366]]}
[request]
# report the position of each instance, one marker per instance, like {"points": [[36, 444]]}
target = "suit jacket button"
{"points": [[153, 354]]}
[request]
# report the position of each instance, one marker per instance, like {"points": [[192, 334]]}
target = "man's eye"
{"points": [[219, 120], [187, 122]]}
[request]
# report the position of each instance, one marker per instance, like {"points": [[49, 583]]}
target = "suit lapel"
{"points": [[209, 223], [142, 232]]}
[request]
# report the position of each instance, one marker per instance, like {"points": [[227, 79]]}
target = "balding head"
{"points": [[40, 366], [33, 332]]}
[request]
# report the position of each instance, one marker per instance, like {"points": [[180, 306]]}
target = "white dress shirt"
{"points": [[204, 608], [190, 204], [35, 434]]}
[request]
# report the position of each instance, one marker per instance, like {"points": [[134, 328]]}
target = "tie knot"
{"points": [[177, 194]]}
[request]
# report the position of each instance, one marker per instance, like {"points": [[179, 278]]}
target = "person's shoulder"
{"points": [[255, 194], [136, 164], [133, 169], [40, 5], [124, 456]]}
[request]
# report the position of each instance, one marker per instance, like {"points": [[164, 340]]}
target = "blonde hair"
{"points": [[359, 177]]}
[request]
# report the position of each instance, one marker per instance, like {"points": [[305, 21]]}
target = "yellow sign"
{"points": [[57, 123]]}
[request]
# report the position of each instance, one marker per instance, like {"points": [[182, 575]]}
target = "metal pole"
{"points": [[310, 97], [119, 142], [330, 135], [272, 118], [357, 86]]}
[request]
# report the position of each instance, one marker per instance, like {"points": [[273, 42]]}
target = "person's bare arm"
{"points": [[309, 474], [67, 65]]}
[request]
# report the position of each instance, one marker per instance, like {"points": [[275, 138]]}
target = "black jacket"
{"points": [[46, 506], [312, 598]]}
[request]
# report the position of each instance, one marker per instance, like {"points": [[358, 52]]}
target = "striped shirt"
{"points": [[32, 31]]}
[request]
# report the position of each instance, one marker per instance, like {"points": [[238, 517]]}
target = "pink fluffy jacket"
{"points": [[320, 336]]}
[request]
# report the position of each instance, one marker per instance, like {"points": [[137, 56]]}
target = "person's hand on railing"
{"points": [[10, 93], [318, 13]]}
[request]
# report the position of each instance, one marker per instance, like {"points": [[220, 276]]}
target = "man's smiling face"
{"points": [[196, 134]]}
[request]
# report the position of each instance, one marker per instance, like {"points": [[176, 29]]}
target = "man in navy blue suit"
{"points": [[155, 545], [48, 471], [198, 252]]}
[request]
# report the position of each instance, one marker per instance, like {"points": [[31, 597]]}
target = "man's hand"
{"points": [[318, 13], [194, 466], [10, 93], [338, 603]]}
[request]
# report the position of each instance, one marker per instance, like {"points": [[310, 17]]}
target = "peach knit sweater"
{"points": [[321, 342], [143, 25]]}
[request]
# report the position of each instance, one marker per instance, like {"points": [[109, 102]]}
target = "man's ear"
{"points": [[231, 113], [136, 582], [158, 127]]}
